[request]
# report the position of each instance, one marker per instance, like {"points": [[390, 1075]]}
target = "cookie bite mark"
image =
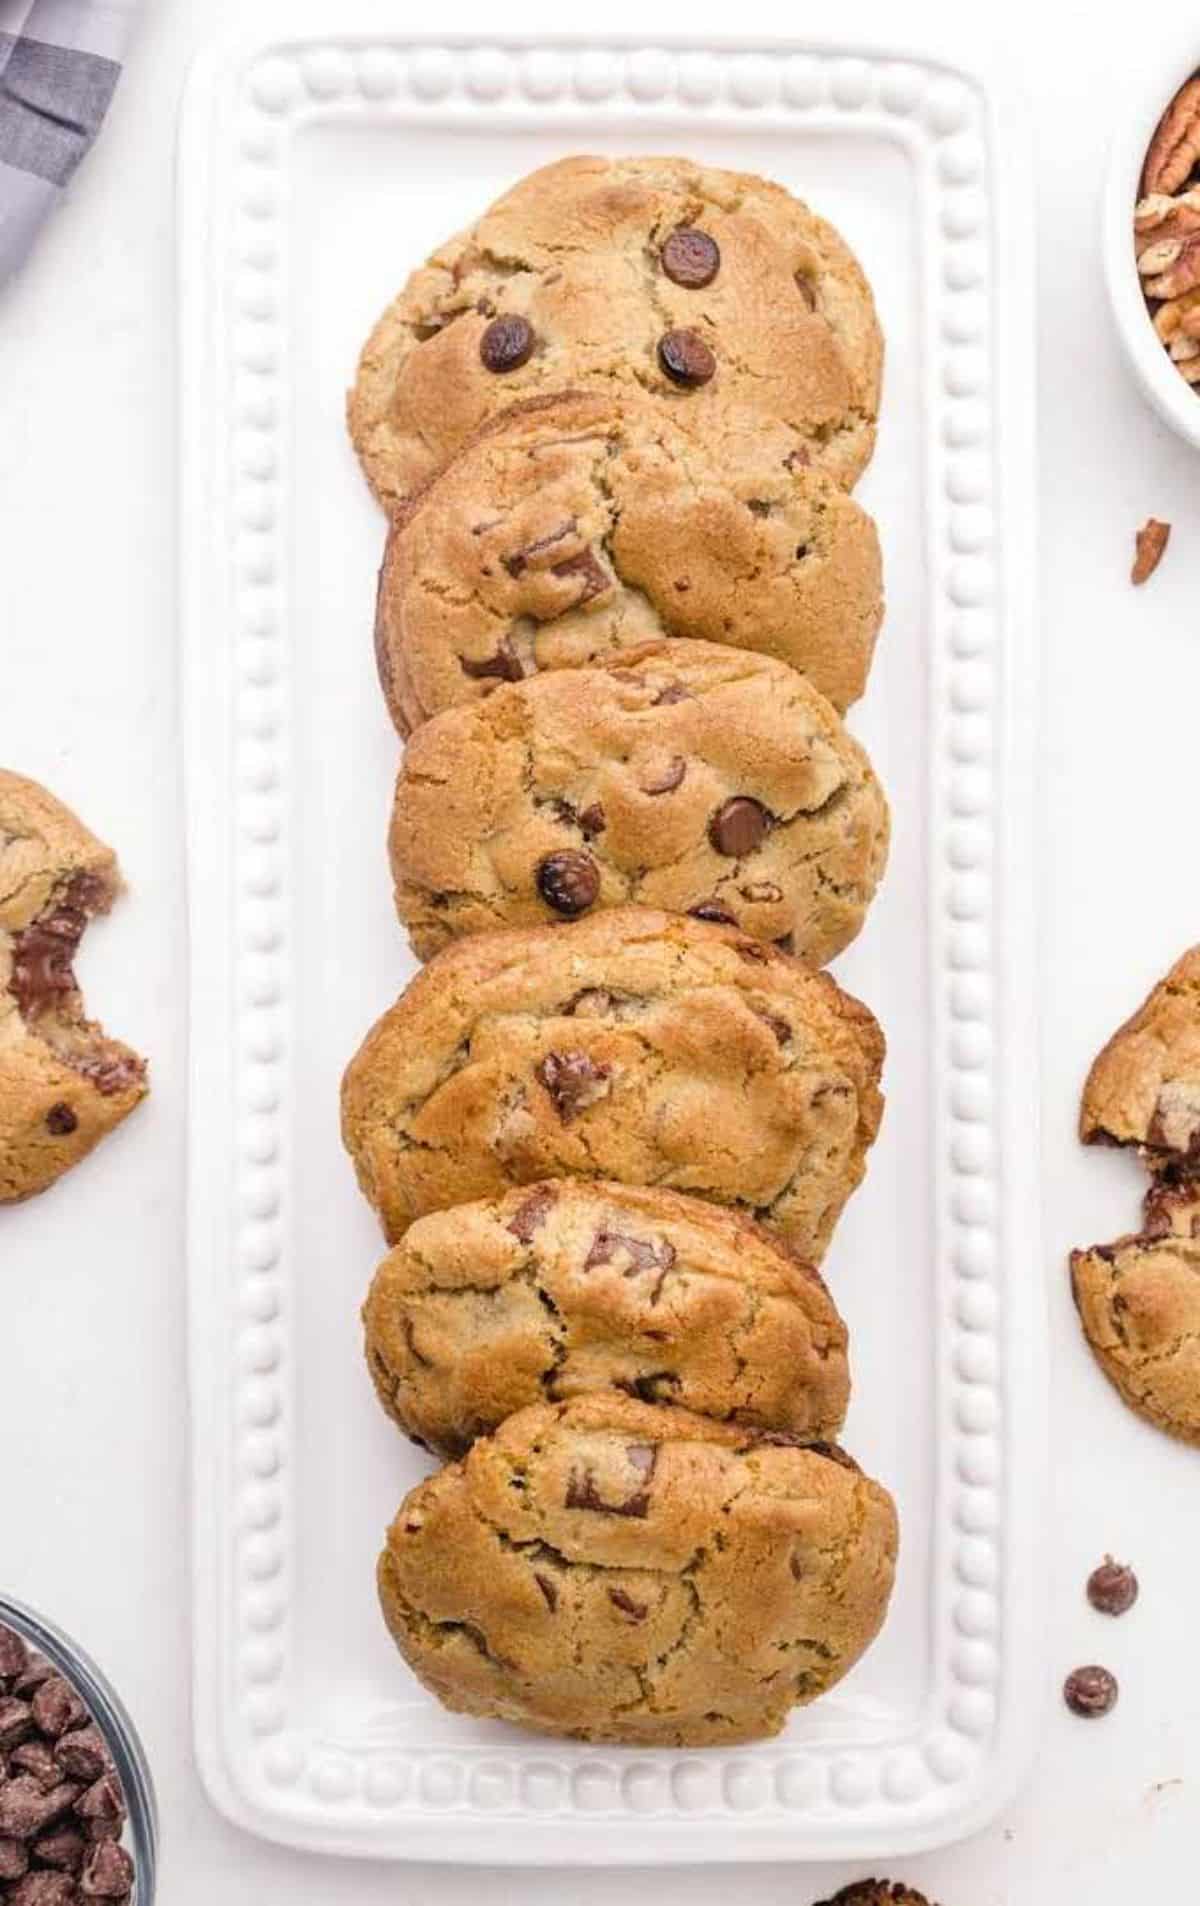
{"points": [[1143, 1090], [1138, 1301], [63, 1082]]}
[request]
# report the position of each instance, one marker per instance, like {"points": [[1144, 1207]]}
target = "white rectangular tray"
{"points": [[321, 158]]}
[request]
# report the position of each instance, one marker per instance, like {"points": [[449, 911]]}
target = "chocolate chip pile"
{"points": [[1166, 230], [529, 546], [62, 1812]]}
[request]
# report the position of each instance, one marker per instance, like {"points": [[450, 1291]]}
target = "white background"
{"points": [[93, 1433]]}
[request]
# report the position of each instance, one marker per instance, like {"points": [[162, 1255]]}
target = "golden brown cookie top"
{"points": [[619, 1571], [717, 293], [1144, 1089], [683, 776], [564, 1288], [1139, 1304], [633, 1045], [575, 527], [63, 1083]]}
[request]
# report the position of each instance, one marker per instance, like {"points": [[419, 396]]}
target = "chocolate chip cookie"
{"points": [[613, 1571], [574, 526], [560, 1289], [720, 295], [1144, 1089], [639, 1046], [683, 776], [1139, 1303], [63, 1083]]}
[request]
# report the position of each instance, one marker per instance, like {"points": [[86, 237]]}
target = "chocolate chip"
{"points": [[786, 943], [16, 1721], [637, 1611], [14, 1859], [779, 1027], [102, 1809], [65, 1848], [574, 1081], [639, 1254], [665, 779], [569, 882], [1112, 1588], [798, 459], [43, 956], [1090, 1692], [691, 258], [530, 1214], [14, 1655], [107, 1872], [685, 358], [591, 821], [36, 1758], [739, 826], [714, 911], [672, 692], [594, 579], [44, 1889], [583, 1490], [61, 1120], [26, 1808], [83, 1754], [505, 665], [507, 343], [111, 1074], [530, 553], [548, 1588], [57, 1707]]}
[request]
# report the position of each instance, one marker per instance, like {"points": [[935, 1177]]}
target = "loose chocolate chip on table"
{"points": [[691, 258], [1090, 1692], [714, 911], [738, 826], [507, 343], [61, 1120], [1112, 1589], [569, 882], [686, 358]]}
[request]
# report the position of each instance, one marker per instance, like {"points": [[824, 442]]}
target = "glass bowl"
{"points": [[120, 1735]]}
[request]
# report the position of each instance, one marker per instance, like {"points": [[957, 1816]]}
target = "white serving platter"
{"points": [[322, 155]]}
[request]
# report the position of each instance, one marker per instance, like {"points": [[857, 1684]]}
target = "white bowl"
{"points": [[1177, 403]]}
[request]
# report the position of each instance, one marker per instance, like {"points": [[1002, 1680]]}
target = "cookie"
{"points": [[550, 1292], [683, 776], [1139, 1304], [874, 1892], [575, 527], [720, 295], [1144, 1089], [614, 1571], [639, 1046], [63, 1083]]}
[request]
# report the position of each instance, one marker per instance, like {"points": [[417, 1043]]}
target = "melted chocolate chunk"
{"points": [[61, 1121], [665, 779], [714, 911], [591, 821], [530, 1214], [507, 343], [610, 1247], [594, 579], [739, 826], [548, 1588], [574, 1081], [686, 359], [505, 665], [583, 1491], [691, 258], [521, 559], [637, 1611], [569, 882]]}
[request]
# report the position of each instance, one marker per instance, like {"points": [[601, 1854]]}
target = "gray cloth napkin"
{"points": [[60, 61]]}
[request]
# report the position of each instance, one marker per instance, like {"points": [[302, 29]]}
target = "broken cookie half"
{"points": [[1139, 1303], [63, 1083], [1144, 1089]]}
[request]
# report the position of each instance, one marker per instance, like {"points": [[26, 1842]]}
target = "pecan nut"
{"points": [[1175, 147], [1151, 542]]}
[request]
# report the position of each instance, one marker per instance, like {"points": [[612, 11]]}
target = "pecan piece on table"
{"points": [[1151, 542]]}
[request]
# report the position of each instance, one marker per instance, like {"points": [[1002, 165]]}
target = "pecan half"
{"points": [[1151, 542], [1175, 147], [1161, 216], [1170, 269]]}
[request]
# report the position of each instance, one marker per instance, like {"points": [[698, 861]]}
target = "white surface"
{"points": [[95, 1500], [299, 148]]}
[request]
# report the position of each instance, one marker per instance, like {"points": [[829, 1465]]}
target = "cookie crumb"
{"points": [[1151, 542]]}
